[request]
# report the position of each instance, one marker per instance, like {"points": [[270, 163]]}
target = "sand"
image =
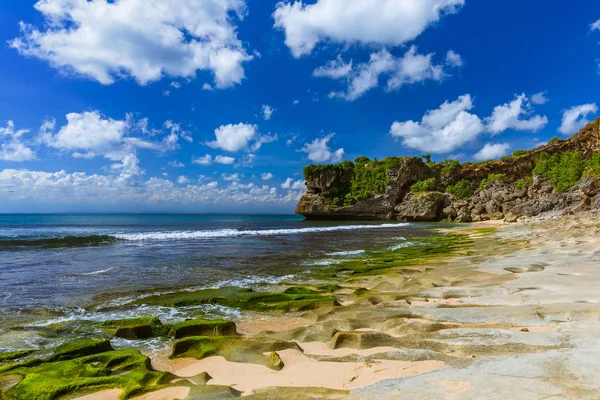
{"points": [[516, 317]]}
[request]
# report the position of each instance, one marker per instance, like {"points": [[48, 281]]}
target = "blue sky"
{"points": [[217, 105]]}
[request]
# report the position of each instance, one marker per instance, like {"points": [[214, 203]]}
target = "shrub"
{"points": [[593, 166], [312, 171], [462, 190], [427, 185], [562, 170], [555, 139], [448, 166], [518, 153], [493, 178], [524, 183]]}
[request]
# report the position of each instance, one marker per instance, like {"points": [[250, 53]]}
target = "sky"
{"points": [[217, 105]]}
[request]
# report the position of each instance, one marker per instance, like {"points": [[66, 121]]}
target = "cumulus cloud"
{"points": [[539, 98], [224, 160], [575, 118], [176, 164], [267, 112], [291, 184], [318, 151], [441, 130], [204, 160], [143, 39], [90, 134], [595, 26], [230, 177], [381, 22], [510, 116], [183, 180], [12, 147], [208, 160], [41, 190], [411, 68], [454, 59], [492, 151], [234, 138], [266, 176]]}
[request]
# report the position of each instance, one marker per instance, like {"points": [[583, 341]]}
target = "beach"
{"points": [[488, 310]]}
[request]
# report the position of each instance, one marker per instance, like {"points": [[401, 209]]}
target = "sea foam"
{"points": [[224, 233]]}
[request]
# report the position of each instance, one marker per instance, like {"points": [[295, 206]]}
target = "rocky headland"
{"points": [[562, 175]]}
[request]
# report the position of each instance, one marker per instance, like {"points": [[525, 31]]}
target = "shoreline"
{"points": [[512, 311]]}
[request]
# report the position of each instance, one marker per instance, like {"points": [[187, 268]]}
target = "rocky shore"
{"points": [[562, 175], [490, 311]]}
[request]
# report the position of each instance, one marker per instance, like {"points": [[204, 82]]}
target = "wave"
{"points": [[224, 233], [347, 253], [401, 246], [65, 241], [103, 271]]}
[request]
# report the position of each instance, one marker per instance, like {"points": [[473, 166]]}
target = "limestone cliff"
{"points": [[561, 175]]}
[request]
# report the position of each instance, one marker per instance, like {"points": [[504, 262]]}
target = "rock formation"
{"points": [[562, 175]]}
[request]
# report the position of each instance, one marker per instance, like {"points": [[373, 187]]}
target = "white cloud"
{"points": [[204, 160], [492, 151], [183, 180], [454, 59], [334, 69], [11, 146], [89, 135], [224, 160], [176, 164], [290, 184], [267, 112], [399, 71], [441, 130], [207, 87], [318, 151], [144, 39], [266, 176], [508, 116], [296, 102], [575, 118], [539, 98], [47, 191], [382, 22], [263, 139], [230, 177], [233, 137], [88, 131], [595, 26]]}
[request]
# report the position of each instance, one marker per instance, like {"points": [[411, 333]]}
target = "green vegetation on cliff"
{"points": [[426, 185], [462, 190]]}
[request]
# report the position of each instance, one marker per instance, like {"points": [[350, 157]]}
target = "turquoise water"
{"points": [[150, 253]]}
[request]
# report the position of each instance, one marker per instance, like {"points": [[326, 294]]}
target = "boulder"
{"points": [[425, 206]]}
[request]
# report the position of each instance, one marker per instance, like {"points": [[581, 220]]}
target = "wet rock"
{"points": [[136, 328], [202, 327], [426, 206], [80, 348]]}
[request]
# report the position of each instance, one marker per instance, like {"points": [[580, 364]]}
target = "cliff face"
{"points": [[562, 175]]}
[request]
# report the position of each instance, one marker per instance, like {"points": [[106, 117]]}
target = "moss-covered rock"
{"points": [[203, 327], [235, 349], [136, 328], [80, 348], [15, 355], [125, 369], [245, 299]]}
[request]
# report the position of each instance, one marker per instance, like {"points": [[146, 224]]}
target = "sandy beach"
{"points": [[517, 317]]}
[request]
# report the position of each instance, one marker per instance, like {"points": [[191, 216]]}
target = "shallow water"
{"points": [[165, 252]]}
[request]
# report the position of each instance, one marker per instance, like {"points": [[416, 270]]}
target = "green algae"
{"points": [[136, 328], [235, 349], [244, 299], [202, 327], [80, 348], [128, 370], [15, 355]]}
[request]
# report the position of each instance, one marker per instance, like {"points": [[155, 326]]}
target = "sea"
{"points": [[61, 267]]}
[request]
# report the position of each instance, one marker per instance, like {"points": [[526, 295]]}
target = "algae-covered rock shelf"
{"points": [[562, 175]]}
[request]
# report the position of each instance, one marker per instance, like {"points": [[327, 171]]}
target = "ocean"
{"points": [[61, 267]]}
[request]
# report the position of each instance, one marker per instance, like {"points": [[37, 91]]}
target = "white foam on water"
{"points": [[224, 233], [103, 271], [323, 262], [347, 253], [401, 246]]}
